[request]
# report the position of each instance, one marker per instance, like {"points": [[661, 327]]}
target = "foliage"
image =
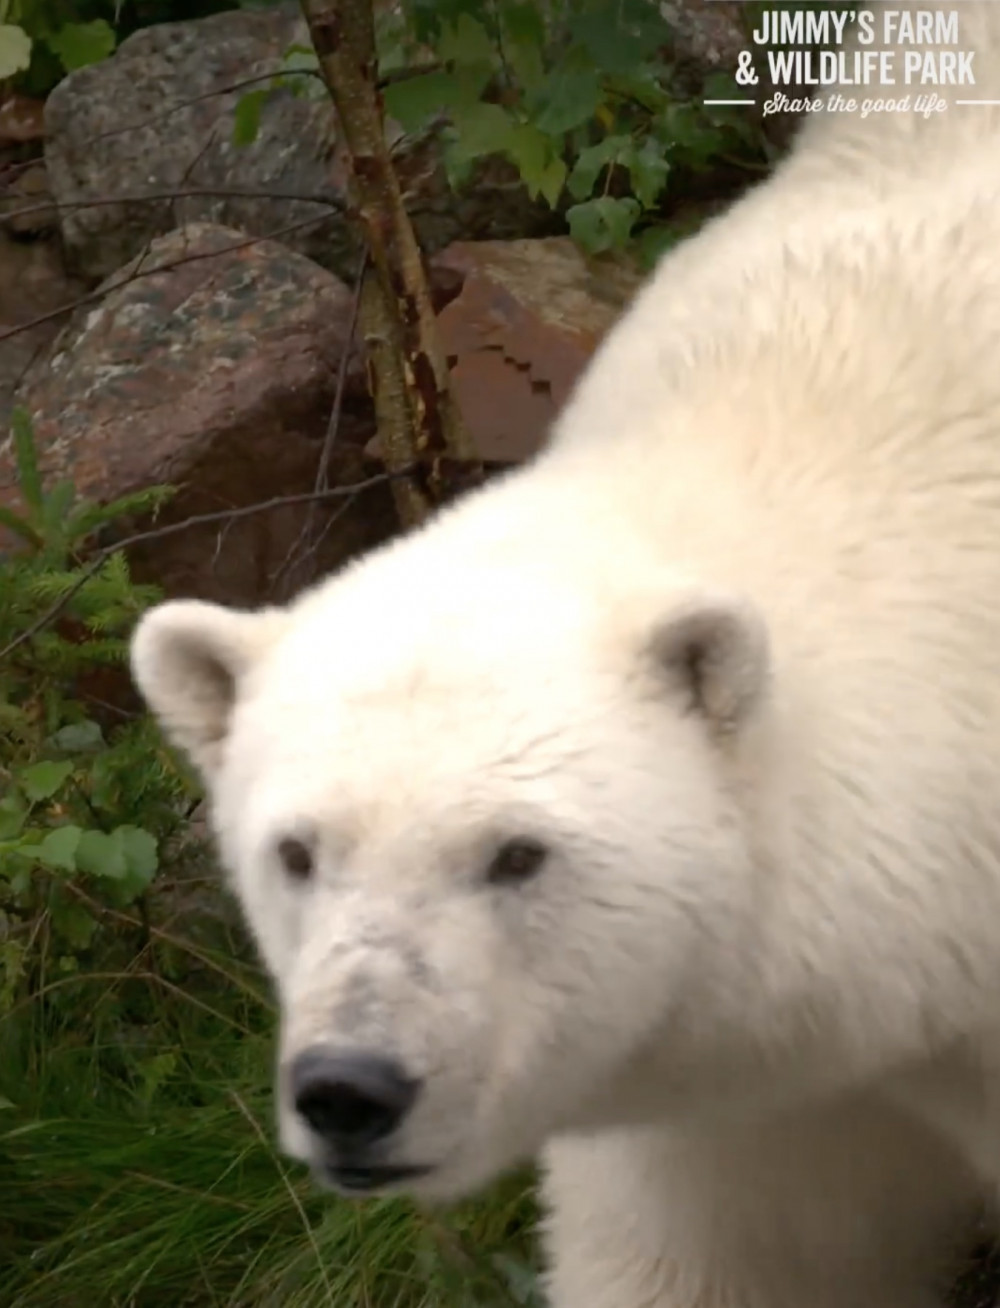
{"points": [[45, 38], [136, 1040], [154, 1182], [579, 95], [84, 807], [42, 40], [135, 1030]]}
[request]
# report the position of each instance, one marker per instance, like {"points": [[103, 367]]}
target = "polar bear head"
{"points": [[483, 812]]}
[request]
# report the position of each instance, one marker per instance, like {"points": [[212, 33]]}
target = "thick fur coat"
{"points": [[644, 809]]}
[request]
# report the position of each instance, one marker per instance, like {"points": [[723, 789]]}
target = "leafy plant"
{"points": [[42, 40], [578, 95], [45, 32], [84, 807]]}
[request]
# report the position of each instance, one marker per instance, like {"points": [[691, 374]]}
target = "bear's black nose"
{"points": [[350, 1099]]}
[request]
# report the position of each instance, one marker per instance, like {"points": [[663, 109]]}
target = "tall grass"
{"points": [[138, 1167]]}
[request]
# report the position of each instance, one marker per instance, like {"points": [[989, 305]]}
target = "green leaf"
{"points": [[105, 783], [58, 849], [13, 811], [684, 128], [80, 44], [524, 41], [655, 242], [141, 854], [552, 181], [573, 97], [542, 172], [25, 454], [414, 100], [78, 737], [619, 34], [466, 42], [101, 855], [604, 223], [648, 169], [15, 50], [482, 129], [642, 87], [42, 780], [591, 162], [246, 116], [73, 924], [299, 59]]}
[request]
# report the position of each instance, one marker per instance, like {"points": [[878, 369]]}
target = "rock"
{"points": [[33, 286], [24, 207], [708, 36], [521, 320], [158, 116], [216, 374], [21, 120], [709, 33]]}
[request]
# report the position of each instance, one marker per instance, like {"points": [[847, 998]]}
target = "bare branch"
{"points": [[173, 528], [333, 203], [417, 415], [156, 119], [332, 427], [93, 296]]}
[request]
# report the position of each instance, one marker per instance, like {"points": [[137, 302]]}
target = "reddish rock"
{"points": [[215, 373], [525, 321], [33, 287], [22, 120]]}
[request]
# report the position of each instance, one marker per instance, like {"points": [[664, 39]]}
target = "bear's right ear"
{"points": [[717, 647], [188, 659]]}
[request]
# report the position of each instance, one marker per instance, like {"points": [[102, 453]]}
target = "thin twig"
{"points": [[101, 292], [323, 468], [178, 193], [181, 105], [172, 528], [332, 426], [417, 413]]}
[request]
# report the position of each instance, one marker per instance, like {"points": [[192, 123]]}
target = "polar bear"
{"points": [[641, 813]]}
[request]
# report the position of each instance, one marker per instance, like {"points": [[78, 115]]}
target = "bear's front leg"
{"points": [[854, 1207]]}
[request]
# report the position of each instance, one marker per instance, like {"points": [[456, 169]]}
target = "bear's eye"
{"points": [[515, 862], [296, 857]]}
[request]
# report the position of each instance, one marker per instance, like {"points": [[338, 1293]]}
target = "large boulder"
{"points": [[158, 117], [520, 320], [211, 365]]}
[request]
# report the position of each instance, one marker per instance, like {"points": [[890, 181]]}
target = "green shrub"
{"points": [[136, 1030]]}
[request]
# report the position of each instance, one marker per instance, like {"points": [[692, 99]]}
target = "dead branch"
{"points": [[172, 528], [332, 203], [93, 296], [418, 419]]}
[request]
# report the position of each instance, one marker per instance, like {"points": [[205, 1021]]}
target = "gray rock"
{"points": [[210, 365], [158, 117]]}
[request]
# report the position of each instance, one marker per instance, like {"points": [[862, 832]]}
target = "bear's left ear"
{"points": [[188, 660], [717, 647]]}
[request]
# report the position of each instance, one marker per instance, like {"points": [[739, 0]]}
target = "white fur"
{"points": [[731, 647]]}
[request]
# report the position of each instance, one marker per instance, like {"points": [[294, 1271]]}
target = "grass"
{"points": [[138, 1167]]}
